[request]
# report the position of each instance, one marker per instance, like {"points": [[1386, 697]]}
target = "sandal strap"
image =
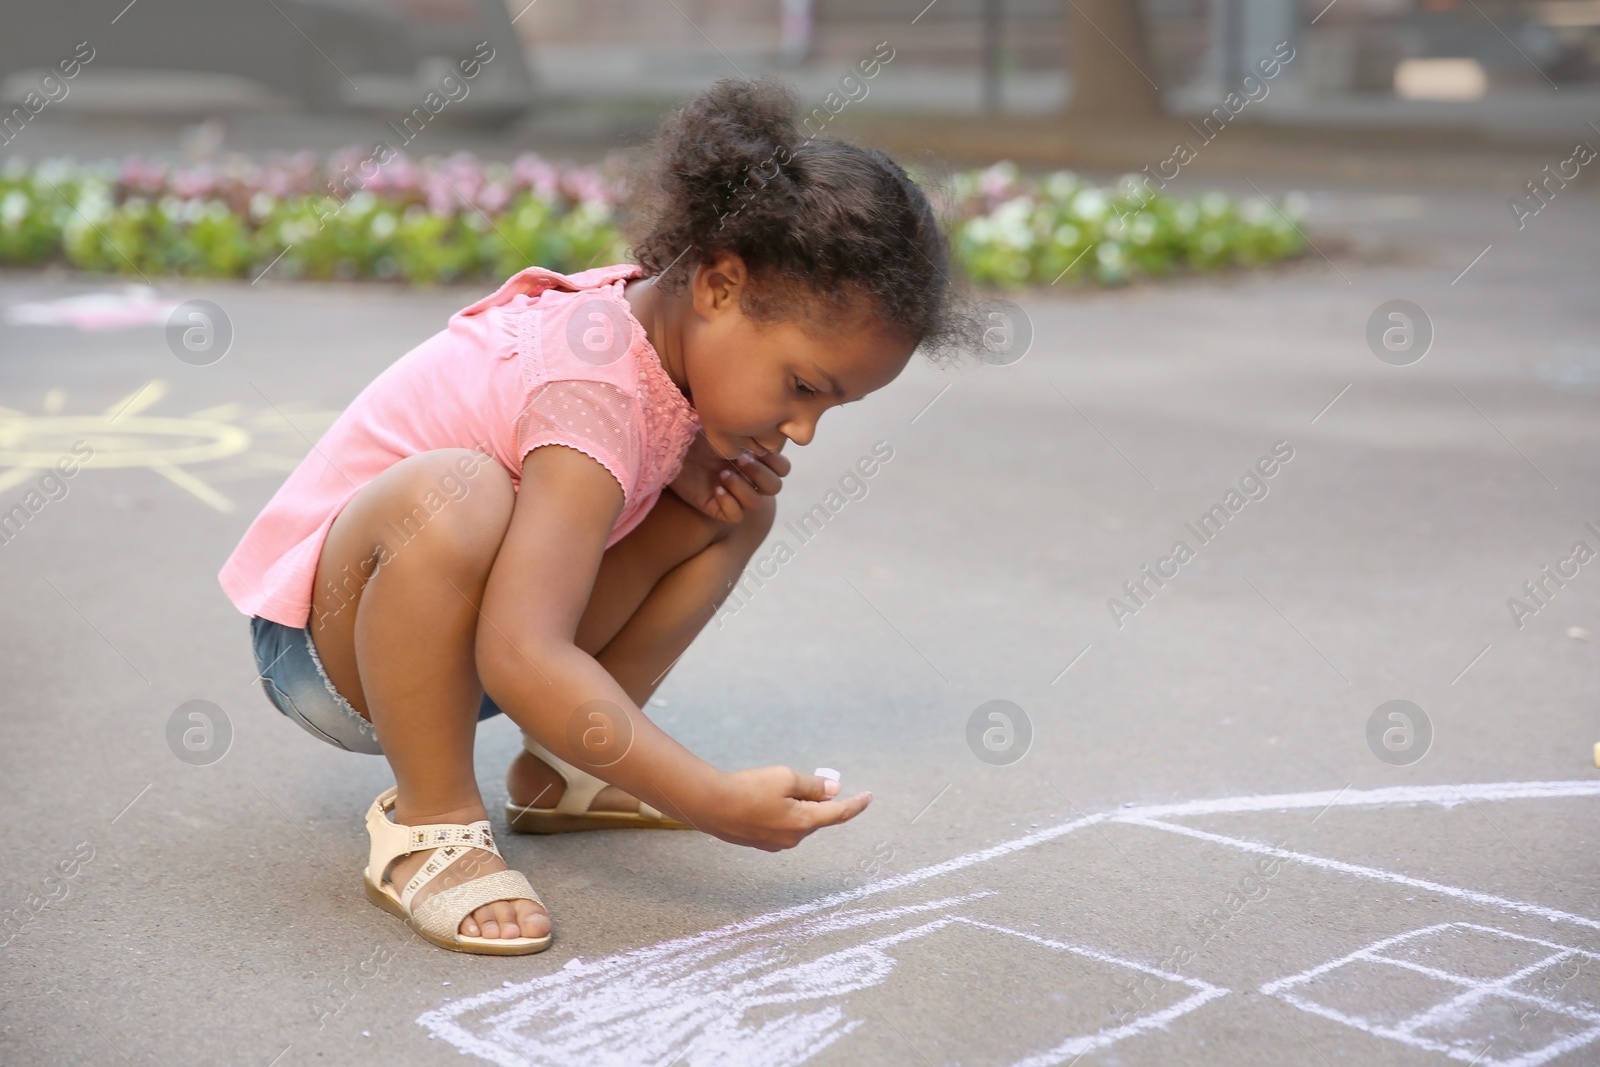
{"points": [[389, 839], [582, 787], [392, 840], [434, 835], [446, 852], [441, 914]]}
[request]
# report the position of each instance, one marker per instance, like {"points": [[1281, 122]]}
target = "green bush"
{"points": [[1013, 232], [456, 220]]}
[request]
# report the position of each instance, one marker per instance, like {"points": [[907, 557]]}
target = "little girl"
{"points": [[432, 563]]}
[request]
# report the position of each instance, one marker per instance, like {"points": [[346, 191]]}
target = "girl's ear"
{"points": [[717, 282]]}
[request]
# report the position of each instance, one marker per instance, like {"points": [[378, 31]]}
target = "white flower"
{"points": [[1061, 185], [1131, 187], [13, 209], [55, 171], [1256, 212], [1013, 222], [94, 202], [293, 231], [1090, 204], [980, 230], [592, 212], [261, 205]]}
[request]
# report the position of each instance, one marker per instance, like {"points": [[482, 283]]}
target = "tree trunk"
{"points": [[1113, 78]]}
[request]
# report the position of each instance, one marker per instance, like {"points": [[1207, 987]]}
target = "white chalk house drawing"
{"points": [[1464, 1016], [778, 989], [763, 996]]}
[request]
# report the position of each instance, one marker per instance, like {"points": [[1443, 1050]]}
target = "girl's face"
{"points": [[759, 385]]}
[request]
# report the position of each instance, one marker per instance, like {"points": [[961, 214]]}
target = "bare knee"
{"points": [[451, 506]]}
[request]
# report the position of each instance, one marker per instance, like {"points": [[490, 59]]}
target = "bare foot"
{"points": [[500, 919], [533, 783]]}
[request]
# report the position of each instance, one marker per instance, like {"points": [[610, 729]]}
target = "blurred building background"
{"points": [[974, 77], [1470, 62]]}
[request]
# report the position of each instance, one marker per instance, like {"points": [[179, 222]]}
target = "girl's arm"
{"points": [[536, 595]]}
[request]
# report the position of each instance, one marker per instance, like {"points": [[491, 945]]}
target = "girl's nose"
{"points": [[799, 432]]}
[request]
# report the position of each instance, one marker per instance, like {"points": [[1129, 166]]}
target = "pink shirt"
{"points": [[546, 359]]}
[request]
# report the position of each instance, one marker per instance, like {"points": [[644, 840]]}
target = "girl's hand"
{"points": [[702, 485], [774, 808]]}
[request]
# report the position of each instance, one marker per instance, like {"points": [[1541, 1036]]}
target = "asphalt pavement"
{"points": [[1200, 831]]}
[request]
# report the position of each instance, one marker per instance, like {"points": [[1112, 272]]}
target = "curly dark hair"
{"points": [[821, 224]]}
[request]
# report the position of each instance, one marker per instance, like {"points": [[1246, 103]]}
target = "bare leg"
{"points": [[655, 591], [394, 618]]}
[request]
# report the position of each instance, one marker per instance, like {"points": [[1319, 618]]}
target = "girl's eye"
{"points": [[803, 388]]}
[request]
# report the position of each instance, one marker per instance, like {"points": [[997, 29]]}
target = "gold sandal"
{"points": [[572, 810], [438, 919]]}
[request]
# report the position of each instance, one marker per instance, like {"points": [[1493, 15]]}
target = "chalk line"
{"points": [[1079, 1046], [690, 958], [1443, 795], [656, 1004], [1376, 873], [1458, 1008], [1451, 1010], [1320, 969]]}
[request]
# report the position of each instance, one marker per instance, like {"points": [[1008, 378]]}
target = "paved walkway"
{"points": [[1200, 837]]}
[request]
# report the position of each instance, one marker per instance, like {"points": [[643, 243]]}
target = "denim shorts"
{"points": [[294, 680]]}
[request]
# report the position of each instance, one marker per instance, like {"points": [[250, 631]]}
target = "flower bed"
{"points": [[1014, 232], [457, 219], [437, 221]]}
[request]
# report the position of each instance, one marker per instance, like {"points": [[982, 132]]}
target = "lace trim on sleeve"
{"points": [[593, 417]]}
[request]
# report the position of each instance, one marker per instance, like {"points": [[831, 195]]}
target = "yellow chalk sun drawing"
{"points": [[228, 442]]}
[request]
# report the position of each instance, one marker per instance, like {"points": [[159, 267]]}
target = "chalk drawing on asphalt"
{"points": [[1520, 980], [691, 1001], [228, 442]]}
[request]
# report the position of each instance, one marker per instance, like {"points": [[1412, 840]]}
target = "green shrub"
{"points": [[1013, 232], [418, 223]]}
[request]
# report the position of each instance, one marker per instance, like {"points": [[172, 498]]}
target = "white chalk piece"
{"points": [[1597, 753], [829, 772]]}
